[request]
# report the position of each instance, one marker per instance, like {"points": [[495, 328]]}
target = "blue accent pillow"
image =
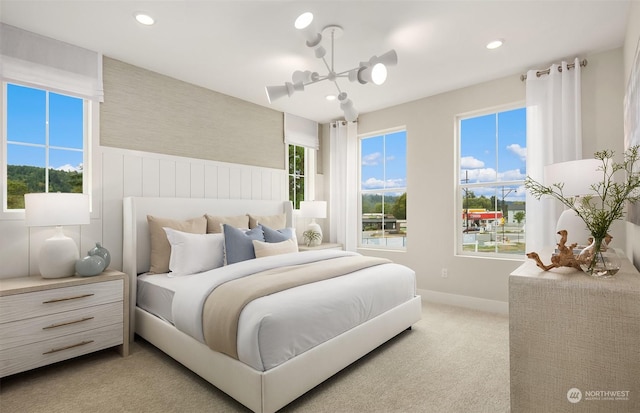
{"points": [[277, 235], [238, 244]]}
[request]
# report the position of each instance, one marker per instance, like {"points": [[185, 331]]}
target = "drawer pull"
{"points": [[55, 350], [56, 300], [67, 323]]}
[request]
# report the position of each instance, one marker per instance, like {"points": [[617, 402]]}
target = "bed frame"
{"points": [[262, 392]]}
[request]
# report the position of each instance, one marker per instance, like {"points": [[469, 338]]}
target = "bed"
{"points": [[261, 382]]}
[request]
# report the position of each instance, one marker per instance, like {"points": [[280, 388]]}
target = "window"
{"points": [[45, 143], [492, 168], [383, 190], [297, 168]]}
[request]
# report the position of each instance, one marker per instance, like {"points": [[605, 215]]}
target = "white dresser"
{"points": [[43, 321]]}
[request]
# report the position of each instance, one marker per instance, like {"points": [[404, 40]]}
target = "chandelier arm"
{"points": [[346, 72], [337, 87], [327, 64], [320, 79], [332, 49]]}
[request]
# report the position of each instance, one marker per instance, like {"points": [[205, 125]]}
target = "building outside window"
{"points": [[45, 143], [383, 190], [491, 215]]}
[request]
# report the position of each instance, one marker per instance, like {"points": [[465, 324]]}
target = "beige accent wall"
{"points": [[146, 111], [431, 161]]}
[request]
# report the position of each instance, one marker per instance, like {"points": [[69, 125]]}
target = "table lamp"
{"points": [[313, 210], [577, 178], [58, 255]]}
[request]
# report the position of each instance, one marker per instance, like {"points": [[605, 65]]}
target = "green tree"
{"points": [[518, 216], [23, 179], [399, 208]]}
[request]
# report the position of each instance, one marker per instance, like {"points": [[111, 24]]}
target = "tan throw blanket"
{"points": [[222, 308]]}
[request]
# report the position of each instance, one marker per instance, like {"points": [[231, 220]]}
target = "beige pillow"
{"points": [[214, 223], [266, 249], [271, 221], [160, 247]]}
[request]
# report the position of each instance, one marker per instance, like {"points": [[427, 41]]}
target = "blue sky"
{"points": [[27, 123], [478, 158], [377, 174]]}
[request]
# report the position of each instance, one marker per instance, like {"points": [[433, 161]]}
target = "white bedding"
{"points": [[155, 294], [275, 328]]}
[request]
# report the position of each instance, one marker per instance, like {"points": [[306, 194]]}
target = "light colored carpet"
{"points": [[453, 360]]}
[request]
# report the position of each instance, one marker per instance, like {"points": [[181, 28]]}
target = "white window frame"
{"points": [[90, 122], [309, 171], [360, 192], [458, 197]]}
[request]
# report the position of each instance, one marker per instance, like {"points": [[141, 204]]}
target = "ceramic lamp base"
{"points": [[58, 256], [314, 227]]}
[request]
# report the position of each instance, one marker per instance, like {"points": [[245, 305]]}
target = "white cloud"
{"points": [[372, 159], [373, 183], [518, 151], [69, 168], [512, 175], [481, 175], [469, 162]]}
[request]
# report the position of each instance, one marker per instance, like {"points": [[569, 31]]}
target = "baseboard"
{"points": [[474, 303]]}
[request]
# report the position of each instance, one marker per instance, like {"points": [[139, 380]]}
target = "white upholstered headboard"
{"points": [[136, 246]]}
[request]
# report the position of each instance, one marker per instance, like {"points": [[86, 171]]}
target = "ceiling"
{"points": [[239, 47]]}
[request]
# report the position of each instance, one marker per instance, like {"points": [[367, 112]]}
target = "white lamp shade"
{"points": [[313, 209], [576, 176], [389, 58], [288, 89], [56, 209]]}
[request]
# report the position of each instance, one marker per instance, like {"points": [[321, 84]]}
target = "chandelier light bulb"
{"points": [[378, 74], [304, 20]]}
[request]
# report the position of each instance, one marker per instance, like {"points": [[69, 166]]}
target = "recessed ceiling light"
{"points": [[143, 18], [494, 44], [330, 97]]}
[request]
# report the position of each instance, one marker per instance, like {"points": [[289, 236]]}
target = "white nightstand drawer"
{"points": [[23, 358], [32, 330], [34, 304]]}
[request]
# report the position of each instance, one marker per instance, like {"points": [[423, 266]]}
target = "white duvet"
{"points": [[276, 328]]}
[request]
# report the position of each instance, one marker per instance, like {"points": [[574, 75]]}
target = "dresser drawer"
{"points": [[32, 330], [34, 355], [34, 304]]}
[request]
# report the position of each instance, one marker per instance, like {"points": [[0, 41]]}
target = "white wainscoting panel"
{"points": [[135, 173]]}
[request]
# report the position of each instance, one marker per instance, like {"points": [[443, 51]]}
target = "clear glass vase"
{"points": [[598, 260]]}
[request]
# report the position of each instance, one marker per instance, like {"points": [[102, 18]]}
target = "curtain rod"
{"points": [[539, 73]]}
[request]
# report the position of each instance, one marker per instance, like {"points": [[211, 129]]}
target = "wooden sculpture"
{"points": [[565, 256]]}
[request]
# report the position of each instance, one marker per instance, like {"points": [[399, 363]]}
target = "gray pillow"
{"points": [[238, 244], [277, 235]]}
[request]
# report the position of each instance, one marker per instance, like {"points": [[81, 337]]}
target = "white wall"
{"points": [[632, 40], [431, 176]]}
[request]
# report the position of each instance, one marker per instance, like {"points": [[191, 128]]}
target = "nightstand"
{"points": [[43, 321], [323, 246], [572, 334]]}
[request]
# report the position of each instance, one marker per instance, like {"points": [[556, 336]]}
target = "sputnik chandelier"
{"points": [[374, 70]]}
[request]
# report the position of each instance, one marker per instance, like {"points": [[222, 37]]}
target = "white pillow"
{"points": [[193, 253], [265, 249]]}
